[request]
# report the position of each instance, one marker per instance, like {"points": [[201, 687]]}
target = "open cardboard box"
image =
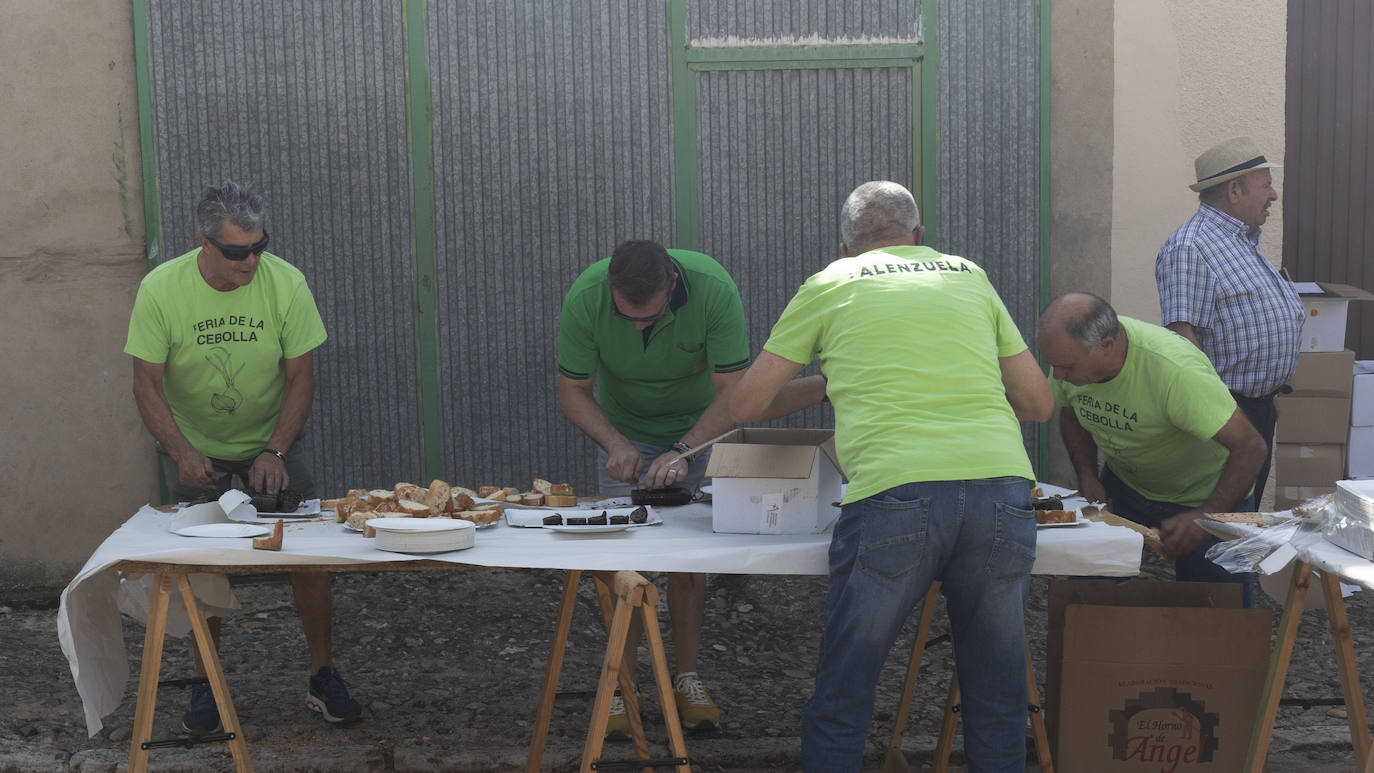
{"points": [[1327, 304], [775, 481]]}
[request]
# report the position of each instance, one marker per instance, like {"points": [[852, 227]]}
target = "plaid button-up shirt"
{"points": [[1248, 319]]}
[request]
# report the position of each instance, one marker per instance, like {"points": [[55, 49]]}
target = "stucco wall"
{"points": [[1081, 174], [1188, 75], [74, 456]]}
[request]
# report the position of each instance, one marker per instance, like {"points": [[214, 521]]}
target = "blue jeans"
{"points": [[977, 537], [1193, 567]]}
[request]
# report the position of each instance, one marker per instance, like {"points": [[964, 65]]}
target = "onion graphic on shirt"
{"points": [[228, 400]]}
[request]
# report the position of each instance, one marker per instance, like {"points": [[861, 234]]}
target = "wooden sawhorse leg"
{"points": [[1283, 653], [631, 593], [160, 598], [1278, 668], [621, 594]]}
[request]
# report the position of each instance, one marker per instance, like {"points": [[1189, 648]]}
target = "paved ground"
{"points": [[448, 667]]}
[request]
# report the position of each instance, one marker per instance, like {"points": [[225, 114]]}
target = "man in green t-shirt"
{"points": [[663, 331], [928, 376], [1175, 444], [222, 340]]}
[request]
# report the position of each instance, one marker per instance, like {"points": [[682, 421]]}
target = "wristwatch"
{"points": [[274, 452]]}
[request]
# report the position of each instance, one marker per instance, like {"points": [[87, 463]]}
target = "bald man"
{"points": [[1175, 444]]}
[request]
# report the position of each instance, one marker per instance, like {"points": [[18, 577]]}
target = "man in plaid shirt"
{"points": [[1218, 291]]}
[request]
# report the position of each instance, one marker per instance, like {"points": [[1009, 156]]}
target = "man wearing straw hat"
{"points": [[1218, 291]]}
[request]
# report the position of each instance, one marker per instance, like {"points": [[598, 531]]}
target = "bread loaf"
{"points": [[565, 489], [560, 500], [409, 491], [270, 543], [414, 509], [438, 499], [542, 486], [532, 499]]}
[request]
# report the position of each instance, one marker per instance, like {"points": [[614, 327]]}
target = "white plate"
{"points": [[479, 526], [420, 524], [535, 518], [224, 530], [1079, 520], [596, 529]]}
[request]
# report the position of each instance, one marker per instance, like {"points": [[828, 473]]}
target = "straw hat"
{"points": [[1227, 161]]}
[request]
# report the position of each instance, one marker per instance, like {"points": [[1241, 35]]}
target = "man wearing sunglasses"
{"points": [[663, 331], [222, 340]]}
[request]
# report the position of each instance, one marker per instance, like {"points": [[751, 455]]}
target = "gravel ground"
{"points": [[448, 667]]}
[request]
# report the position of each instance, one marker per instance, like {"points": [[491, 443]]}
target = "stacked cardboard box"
{"points": [[1314, 421], [1360, 454]]}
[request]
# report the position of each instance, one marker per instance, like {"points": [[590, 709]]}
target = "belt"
{"points": [[1283, 390]]}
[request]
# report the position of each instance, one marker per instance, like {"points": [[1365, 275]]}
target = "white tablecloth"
{"points": [[90, 627]]}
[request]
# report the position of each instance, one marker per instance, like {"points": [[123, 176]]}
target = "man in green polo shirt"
{"points": [[1176, 446], [663, 331]]}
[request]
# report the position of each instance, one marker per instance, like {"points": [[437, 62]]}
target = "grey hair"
{"points": [[237, 203], [1097, 322], [877, 211]]}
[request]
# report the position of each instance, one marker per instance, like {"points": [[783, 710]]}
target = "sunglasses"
{"points": [[237, 252], [651, 318]]}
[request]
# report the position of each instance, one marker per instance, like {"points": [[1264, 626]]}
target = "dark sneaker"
{"points": [[329, 696], [203, 717]]}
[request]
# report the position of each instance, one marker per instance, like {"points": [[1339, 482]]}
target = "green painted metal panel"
{"points": [[420, 132], [929, 141], [152, 219], [686, 181]]}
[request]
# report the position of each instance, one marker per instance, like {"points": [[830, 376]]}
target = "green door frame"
{"points": [[686, 61]]}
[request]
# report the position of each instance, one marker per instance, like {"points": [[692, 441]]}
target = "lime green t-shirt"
{"points": [[1154, 421], [654, 387], [909, 341], [223, 352]]}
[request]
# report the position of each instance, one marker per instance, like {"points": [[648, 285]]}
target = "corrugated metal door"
{"points": [[442, 170], [1328, 179]]}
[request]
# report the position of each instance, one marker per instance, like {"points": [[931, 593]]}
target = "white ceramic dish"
{"points": [[423, 535], [224, 530], [597, 529], [479, 525]]}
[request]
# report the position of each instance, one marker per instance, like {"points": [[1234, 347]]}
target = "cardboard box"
{"points": [[1153, 675], [1160, 688], [1308, 464], [1286, 497], [774, 481], [1327, 304], [1360, 453], [1131, 593], [1362, 394], [1309, 419], [1323, 374]]}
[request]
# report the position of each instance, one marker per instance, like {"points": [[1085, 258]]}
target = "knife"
{"points": [[700, 448]]}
